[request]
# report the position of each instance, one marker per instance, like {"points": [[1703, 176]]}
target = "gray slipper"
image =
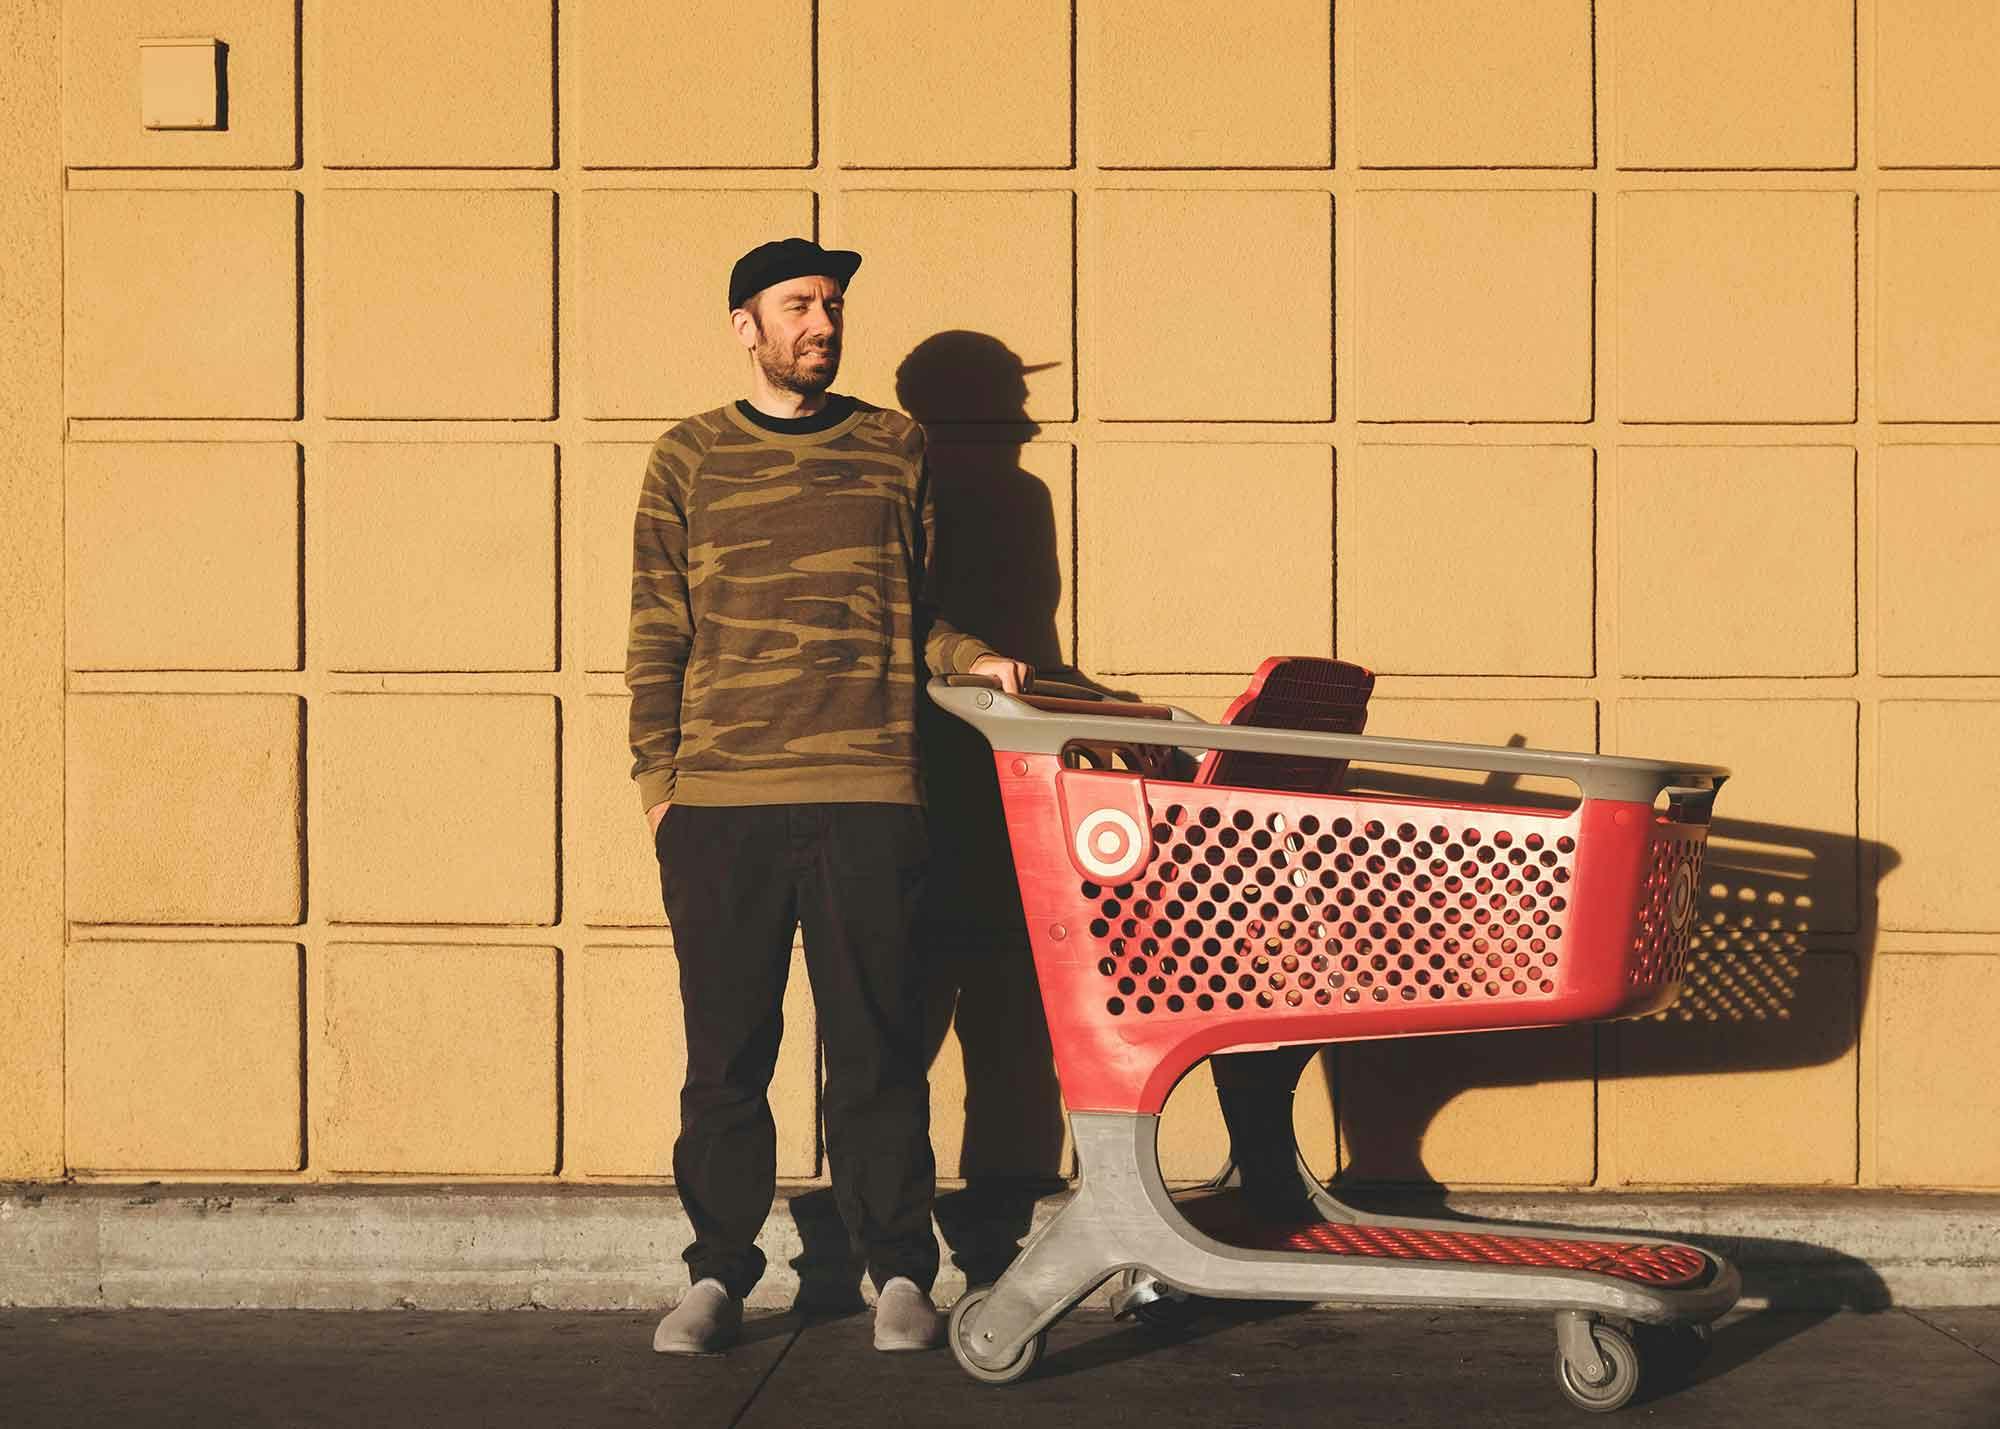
{"points": [[905, 1319], [706, 1322]]}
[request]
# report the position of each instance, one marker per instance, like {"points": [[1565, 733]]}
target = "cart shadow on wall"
{"points": [[1777, 979]]}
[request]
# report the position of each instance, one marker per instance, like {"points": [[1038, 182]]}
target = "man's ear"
{"points": [[745, 323]]}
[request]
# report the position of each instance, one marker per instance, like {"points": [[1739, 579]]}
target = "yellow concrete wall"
{"points": [[1613, 375]]}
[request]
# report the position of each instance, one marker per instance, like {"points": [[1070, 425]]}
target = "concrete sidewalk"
{"points": [[492, 1247], [1250, 1365]]}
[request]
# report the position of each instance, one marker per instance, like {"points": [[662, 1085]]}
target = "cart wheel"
{"points": [[962, 1316], [1617, 1390], [1674, 1352]]}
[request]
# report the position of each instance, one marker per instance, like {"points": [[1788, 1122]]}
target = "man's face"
{"points": [[792, 329]]}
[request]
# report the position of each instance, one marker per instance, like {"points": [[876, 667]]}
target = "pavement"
{"points": [[405, 1246], [1240, 1365]]}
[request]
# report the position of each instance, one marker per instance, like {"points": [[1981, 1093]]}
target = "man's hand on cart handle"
{"points": [[1014, 675]]}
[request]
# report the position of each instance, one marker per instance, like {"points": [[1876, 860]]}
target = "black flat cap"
{"points": [[785, 258]]}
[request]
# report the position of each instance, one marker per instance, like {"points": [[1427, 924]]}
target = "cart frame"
{"points": [[1123, 1218]]}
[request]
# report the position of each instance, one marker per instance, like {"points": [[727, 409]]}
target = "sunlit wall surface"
{"points": [[1614, 376]]}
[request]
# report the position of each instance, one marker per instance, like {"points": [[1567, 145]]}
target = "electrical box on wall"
{"points": [[182, 85]]}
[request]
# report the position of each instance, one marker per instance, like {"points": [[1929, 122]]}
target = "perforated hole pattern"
{"points": [[1666, 912], [1279, 911]]}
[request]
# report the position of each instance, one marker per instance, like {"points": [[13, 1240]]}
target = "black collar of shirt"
{"points": [[837, 410]]}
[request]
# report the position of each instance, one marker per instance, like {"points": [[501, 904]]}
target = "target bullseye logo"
{"points": [[1107, 821], [1109, 843], [1680, 899]]}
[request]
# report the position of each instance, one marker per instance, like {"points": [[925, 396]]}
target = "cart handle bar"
{"points": [[1012, 724]]}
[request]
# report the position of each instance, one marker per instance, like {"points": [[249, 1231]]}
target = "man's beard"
{"points": [[790, 370]]}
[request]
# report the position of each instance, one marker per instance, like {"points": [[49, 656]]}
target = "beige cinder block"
{"points": [[1535, 724], [1206, 696], [1467, 560], [1250, 339], [615, 874], [1937, 334], [1937, 525], [1736, 306], [928, 86], [705, 118], [181, 303], [998, 263], [182, 555], [625, 1053], [458, 83], [1935, 101], [436, 808], [183, 808], [603, 480], [1782, 856], [32, 933], [1509, 1108], [1199, 556], [1473, 306], [1940, 782], [1937, 1101], [1194, 1141], [1005, 520], [1736, 560], [182, 1056], [1715, 85], [656, 338], [1747, 1080], [435, 1058], [439, 556], [439, 304], [1471, 83], [100, 94], [1185, 84]]}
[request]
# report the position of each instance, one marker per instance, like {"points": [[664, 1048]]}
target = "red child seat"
{"points": [[1292, 692]]}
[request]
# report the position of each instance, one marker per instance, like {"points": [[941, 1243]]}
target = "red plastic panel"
{"points": [[1492, 938], [1285, 908], [1666, 1265]]}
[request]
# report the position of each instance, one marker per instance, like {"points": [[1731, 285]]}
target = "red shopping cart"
{"points": [[1194, 888]]}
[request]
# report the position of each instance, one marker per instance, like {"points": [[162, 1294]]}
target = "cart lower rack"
{"points": [[1194, 889]]}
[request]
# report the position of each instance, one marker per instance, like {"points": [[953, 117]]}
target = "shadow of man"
{"points": [[1001, 577]]}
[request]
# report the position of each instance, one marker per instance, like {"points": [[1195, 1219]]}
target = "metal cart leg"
{"points": [[995, 1333]]}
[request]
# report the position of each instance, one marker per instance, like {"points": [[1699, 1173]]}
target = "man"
{"points": [[782, 622]]}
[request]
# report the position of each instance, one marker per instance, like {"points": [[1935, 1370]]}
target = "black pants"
{"points": [[736, 882], [1254, 1091]]}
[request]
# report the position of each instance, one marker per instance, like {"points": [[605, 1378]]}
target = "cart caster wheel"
{"points": [[1675, 1351], [1696, 1339], [963, 1315], [1616, 1390], [1153, 1303]]}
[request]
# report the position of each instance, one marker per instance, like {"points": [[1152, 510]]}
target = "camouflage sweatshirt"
{"points": [[780, 602]]}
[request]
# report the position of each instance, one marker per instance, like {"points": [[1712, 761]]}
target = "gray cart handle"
{"points": [[1013, 724]]}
